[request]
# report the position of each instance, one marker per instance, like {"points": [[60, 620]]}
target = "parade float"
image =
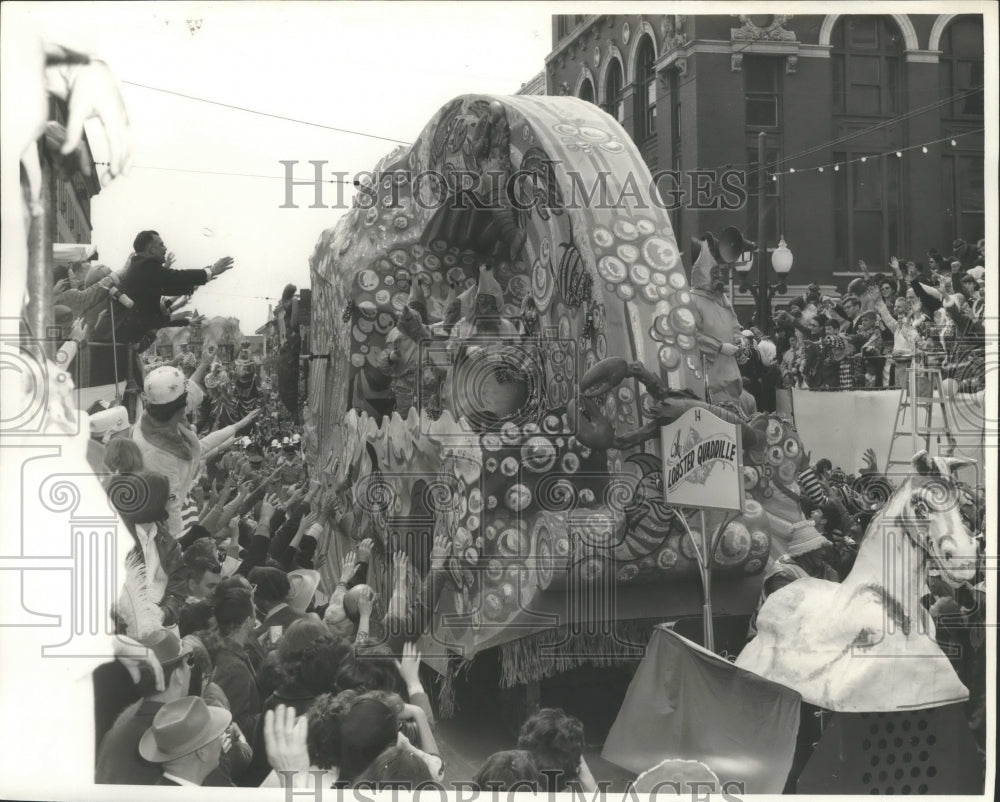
{"points": [[538, 454]]}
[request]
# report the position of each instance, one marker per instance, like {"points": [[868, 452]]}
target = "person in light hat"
{"points": [[187, 739], [304, 582], [806, 557], [485, 319], [168, 443], [111, 422]]}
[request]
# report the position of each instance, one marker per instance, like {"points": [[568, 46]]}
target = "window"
{"points": [[962, 65], [587, 91], [645, 94], [964, 193], [866, 209], [866, 66], [614, 104], [761, 88], [772, 201], [564, 24]]}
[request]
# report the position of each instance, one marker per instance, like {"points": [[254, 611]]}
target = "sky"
{"points": [[375, 68]]}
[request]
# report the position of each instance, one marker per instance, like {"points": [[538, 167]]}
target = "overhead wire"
{"points": [[266, 113], [219, 172]]}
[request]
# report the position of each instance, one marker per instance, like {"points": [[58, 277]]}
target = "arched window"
{"points": [[587, 91], [614, 104], [866, 65], [962, 65], [645, 91]]}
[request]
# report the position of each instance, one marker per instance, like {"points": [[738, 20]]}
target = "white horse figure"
{"points": [[867, 644]]}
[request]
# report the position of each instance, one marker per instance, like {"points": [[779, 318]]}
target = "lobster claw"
{"points": [[591, 427], [605, 376]]}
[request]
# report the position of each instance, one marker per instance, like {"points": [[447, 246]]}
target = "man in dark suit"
{"points": [[187, 738], [271, 589], [146, 280]]}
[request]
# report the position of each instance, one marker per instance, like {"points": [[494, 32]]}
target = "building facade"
{"points": [[694, 92], [71, 188]]}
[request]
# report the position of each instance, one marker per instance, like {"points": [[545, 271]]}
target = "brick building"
{"points": [[695, 91]]}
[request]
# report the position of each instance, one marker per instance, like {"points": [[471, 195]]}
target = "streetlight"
{"points": [[762, 290], [781, 259]]}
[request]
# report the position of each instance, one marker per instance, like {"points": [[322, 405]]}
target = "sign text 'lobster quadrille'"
{"points": [[702, 459]]}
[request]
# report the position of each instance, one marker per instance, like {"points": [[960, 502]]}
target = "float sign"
{"points": [[702, 462]]}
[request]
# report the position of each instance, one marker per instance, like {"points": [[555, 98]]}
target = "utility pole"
{"points": [[763, 302]]}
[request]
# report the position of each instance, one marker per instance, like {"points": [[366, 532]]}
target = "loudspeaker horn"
{"points": [[732, 245]]}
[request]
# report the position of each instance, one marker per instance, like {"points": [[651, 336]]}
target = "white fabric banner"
{"points": [[842, 425]]}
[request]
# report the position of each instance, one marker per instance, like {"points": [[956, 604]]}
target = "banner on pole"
{"points": [[702, 462]]}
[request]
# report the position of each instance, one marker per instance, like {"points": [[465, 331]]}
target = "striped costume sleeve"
{"points": [[189, 514], [810, 485]]}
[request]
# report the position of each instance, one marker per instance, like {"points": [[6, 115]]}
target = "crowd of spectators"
{"points": [[255, 675], [868, 336]]}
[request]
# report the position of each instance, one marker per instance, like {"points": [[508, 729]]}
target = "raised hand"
{"points": [[308, 521], [366, 602], [409, 666], [248, 419], [365, 550], [221, 266], [440, 551], [348, 567], [871, 461], [285, 739], [79, 330], [94, 93], [169, 259]]}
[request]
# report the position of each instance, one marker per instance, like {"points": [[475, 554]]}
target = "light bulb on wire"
{"points": [[864, 158], [899, 154], [924, 148], [836, 167], [953, 143]]}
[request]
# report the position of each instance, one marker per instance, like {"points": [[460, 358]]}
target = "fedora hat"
{"points": [[182, 727], [304, 582]]}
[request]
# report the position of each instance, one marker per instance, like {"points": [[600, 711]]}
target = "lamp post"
{"points": [[762, 290], [781, 260]]}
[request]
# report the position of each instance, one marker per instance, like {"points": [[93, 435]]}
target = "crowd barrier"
{"points": [[842, 425]]}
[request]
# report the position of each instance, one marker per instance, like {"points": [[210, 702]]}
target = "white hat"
{"points": [[296, 438], [275, 443], [285, 441], [976, 272], [304, 582], [109, 421], [165, 384]]}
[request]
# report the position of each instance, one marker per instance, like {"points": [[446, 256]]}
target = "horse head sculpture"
{"points": [[927, 508], [822, 638]]}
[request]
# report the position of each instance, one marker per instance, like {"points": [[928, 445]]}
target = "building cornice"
{"points": [[571, 38]]}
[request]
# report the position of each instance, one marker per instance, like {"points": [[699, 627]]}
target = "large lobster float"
{"points": [[563, 547]]}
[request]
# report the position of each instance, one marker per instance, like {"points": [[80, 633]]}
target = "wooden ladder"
{"points": [[920, 377]]}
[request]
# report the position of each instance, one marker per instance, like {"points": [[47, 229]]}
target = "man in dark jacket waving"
{"points": [[146, 280]]}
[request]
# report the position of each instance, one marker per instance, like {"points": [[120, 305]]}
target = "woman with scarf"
{"points": [[168, 443]]}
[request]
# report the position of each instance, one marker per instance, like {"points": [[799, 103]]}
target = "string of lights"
{"points": [[898, 153], [860, 132]]}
